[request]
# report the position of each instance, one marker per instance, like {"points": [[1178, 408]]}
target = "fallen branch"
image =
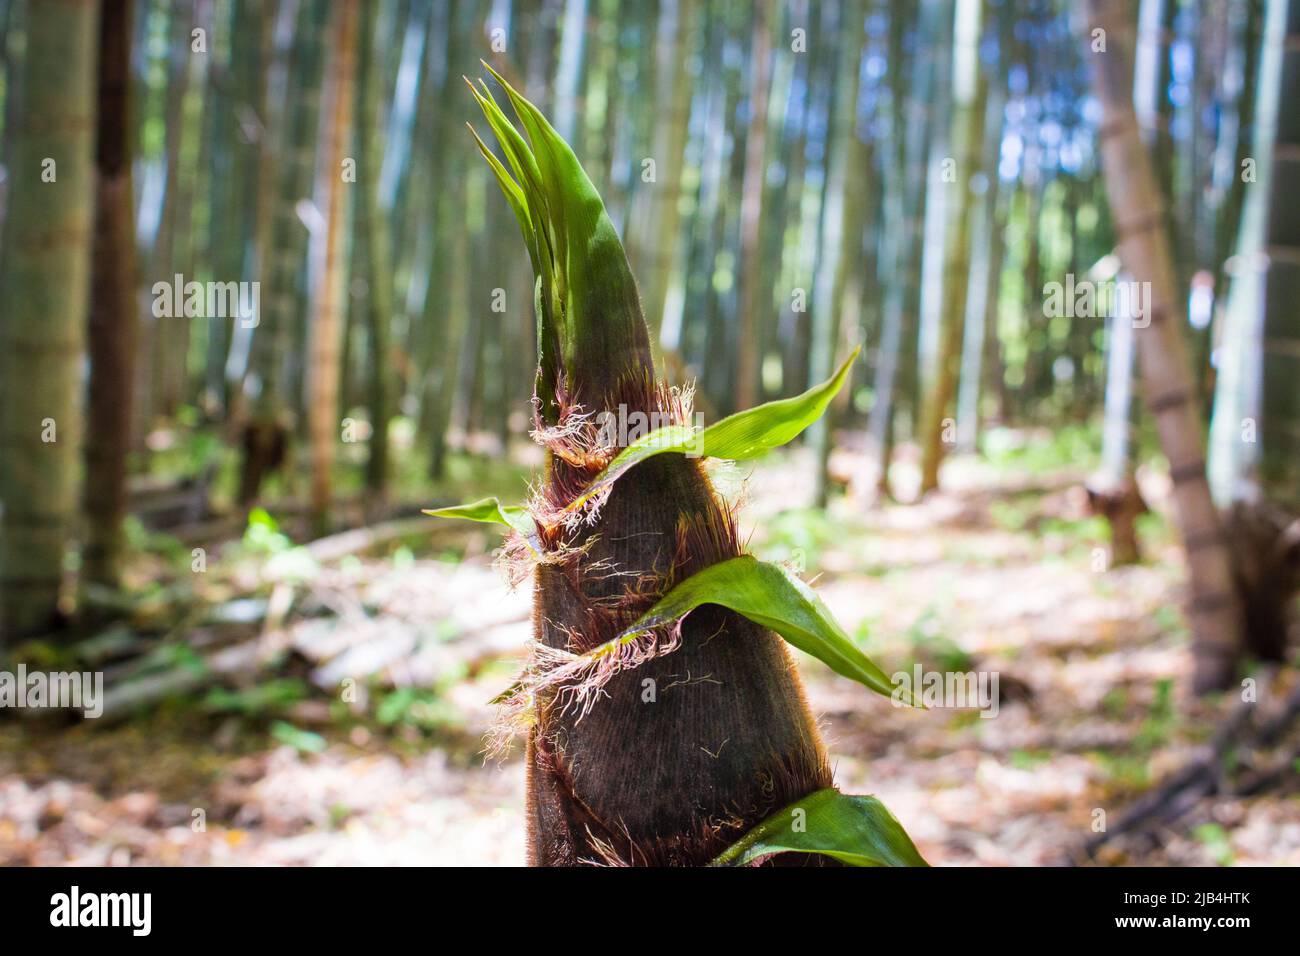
{"points": [[1210, 774]]}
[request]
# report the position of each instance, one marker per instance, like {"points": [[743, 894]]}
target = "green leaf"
{"points": [[490, 511], [514, 195], [592, 335], [259, 517], [767, 594], [771, 595], [858, 831], [304, 741], [739, 437], [529, 202]]}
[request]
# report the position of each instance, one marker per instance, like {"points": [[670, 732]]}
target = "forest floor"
{"points": [[998, 574]]}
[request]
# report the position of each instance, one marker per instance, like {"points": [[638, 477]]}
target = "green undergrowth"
{"points": [[1036, 452], [1128, 768]]}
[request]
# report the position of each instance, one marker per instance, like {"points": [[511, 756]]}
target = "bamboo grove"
{"points": [[879, 229]]}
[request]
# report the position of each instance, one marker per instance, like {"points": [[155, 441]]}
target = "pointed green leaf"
{"points": [[528, 177], [567, 188], [767, 594], [548, 286], [490, 511], [771, 595], [602, 334], [858, 831], [739, 437], [516, 149], [514, 195]]}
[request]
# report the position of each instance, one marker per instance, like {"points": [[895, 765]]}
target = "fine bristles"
{"points": [[570, 684]]}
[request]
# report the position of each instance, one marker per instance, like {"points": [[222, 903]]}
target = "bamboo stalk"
{"points": [[969, 93], [112, 316], [751, 210], [47, 240], [323, 377], [1136, 207], [372, 235]]}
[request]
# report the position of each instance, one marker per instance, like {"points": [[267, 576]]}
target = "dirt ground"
{"points": [[994, 575]]}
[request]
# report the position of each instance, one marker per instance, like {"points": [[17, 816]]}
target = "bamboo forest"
{"points": [[675, 433]]}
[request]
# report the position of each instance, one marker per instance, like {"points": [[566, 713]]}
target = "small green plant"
{"points": [[1160, 720], [665, 722], [418, 707], [141, 541], [1066, 447], [263, 536], [800, 531], [1029, 759], [283, 560], [935, 648], [1215, 840], [303, 741], [273, 696]]}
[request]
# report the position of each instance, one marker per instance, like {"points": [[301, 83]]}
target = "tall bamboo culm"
{"points": [[112, 318], [1136, 205], [323, 376], [44, 281]]}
